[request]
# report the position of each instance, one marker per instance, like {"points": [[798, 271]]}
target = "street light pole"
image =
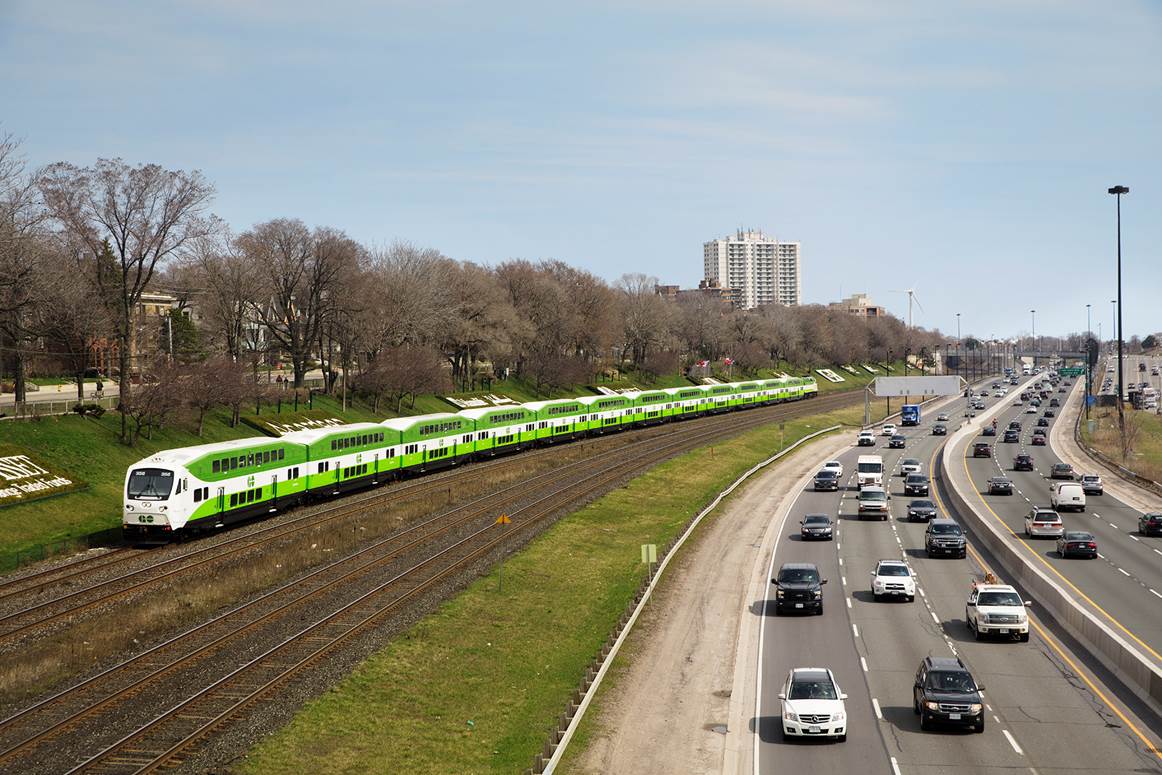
{"points": [[959, 346], [1088, 365], [1033, 312], [1117, 191]]}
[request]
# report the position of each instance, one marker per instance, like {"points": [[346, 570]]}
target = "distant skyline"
{"points": [[962, 149]]}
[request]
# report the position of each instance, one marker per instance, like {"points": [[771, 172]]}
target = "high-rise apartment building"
{"points": [[764, 270]]}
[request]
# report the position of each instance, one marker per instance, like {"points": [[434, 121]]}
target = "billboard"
{"points": [[890, 387]]}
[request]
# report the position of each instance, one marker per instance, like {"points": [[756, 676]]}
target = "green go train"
{"points": [[191, 489]]}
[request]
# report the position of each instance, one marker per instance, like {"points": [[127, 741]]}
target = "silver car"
{"points": [[1043, 522]]}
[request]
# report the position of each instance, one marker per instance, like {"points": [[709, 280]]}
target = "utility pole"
{"points": [[1117, 191]]}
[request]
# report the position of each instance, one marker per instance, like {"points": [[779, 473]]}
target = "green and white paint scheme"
{"points": [[433, 440], [503, 428]]}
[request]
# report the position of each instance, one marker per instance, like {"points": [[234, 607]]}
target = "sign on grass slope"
{"points": [[24, 478]]}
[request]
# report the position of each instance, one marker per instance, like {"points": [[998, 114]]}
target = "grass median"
{"points": [[1144, 431], [474, 687]]}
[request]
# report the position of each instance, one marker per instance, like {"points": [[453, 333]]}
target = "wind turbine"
{"points": [[911, 298]]}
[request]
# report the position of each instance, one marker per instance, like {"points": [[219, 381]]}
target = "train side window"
{"points": [[259, 496], [216, 466], [198, 495], [233, 500]]}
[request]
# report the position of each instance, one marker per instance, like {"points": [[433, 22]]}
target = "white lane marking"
{"points": [[1115, 527], [935, 618], [838, 546], [1156, 551], [1155, 592], [1099, 554], [843, 580], [921, 591], [855, 629], [863, 664], [1133, 538], [1013, 742], [848, 602], [841, 562], [1121, 571], [988, 707], [1096, 514], [879, 714], [895, 766]]}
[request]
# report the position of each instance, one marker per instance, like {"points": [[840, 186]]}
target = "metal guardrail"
{"points": [[30, 409], [1125, 473]]}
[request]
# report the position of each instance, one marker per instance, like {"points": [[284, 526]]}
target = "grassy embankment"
{"points": [[474, 687], [1145, 457]]}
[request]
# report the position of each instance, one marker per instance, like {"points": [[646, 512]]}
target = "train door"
{"points": [[221, 499], [274, 491]]}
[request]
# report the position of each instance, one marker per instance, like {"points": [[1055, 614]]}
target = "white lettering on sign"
{"points": [[19, 467]]}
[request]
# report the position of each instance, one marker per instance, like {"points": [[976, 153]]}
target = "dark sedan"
{"points": [[816, 526], [1000, 485], [897, 441], [1015, 425], [1061, 471], [921, 511], [1012, 436], [982, 449], [1042, 423], [1039, 440], [939, 430], [988, 431], [1150, 524], [1050, 413], [1076, 543], [1023, 463], [827, 479]]}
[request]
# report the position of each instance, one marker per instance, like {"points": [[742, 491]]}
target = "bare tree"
{"points": [[646, 320], [230, 288], [21, 257], [154, 403], [145, 212], [400, 372], [76, 319]]}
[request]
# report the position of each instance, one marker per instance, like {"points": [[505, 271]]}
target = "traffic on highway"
{"points": [[936, 663]]}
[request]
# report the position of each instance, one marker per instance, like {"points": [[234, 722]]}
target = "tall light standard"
{"points": [[1117, 191], [1033, 312], [1088, 365], [959, 346]]}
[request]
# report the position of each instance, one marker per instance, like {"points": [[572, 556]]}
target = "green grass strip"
{"points": [[475, 687]]}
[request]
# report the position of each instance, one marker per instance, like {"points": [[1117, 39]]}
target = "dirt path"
{"points": [[675, 701]]}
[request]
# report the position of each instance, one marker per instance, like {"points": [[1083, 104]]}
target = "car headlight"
{"points": [[877, 583], [839, 716], [789, 716], [818, 593], [932, 705], [779, 593], [974, 708]]}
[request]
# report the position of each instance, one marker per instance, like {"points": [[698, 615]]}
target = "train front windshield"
{"points": [[150, 484]]}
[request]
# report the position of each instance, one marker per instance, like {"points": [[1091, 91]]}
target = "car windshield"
{"points": [[821, 689], [873, 495], [1088, 478], [946, 529], [910, 461], [798, 575], [916, 478], [922, 505], [1046, 516], [893, 570], [150, 483], [871, 468], [818, 519], [826, 473], [949, 681], [999, 598]]}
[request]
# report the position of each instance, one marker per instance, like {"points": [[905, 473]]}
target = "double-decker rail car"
{"points": [[651, 407], [502, 429], [688, 401], [347, 457], [607, 413], [431, 441], [561, 419]]}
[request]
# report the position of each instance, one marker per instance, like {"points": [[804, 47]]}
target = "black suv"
{"points": [[982, 449], [921, 510], [827, 479], [939, 430], [799, 588], [1012, 436], [897, 441], [944, 536], [1023, 462], [915, 484], [944, 692], [1015, 425]]}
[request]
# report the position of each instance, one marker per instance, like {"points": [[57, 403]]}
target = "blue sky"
{"points": [[961, 149]]}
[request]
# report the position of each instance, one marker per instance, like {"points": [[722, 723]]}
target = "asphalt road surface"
{"points": [[1043, 715]]}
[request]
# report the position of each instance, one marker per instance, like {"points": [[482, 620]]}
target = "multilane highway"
{"points": [[1123, 585], [1044, 712]]}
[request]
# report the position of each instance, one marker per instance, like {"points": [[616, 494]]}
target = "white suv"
{"points": [[834, 465], [813, 704], [996, 609], [888, 430], [893, 578], [873, 500]]}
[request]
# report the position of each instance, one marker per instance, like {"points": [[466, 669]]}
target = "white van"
{"points": [[873, 500], [869, 470], [1067, 495]]}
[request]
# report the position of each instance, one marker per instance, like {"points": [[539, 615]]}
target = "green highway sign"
{"points": [[1071, 371]]}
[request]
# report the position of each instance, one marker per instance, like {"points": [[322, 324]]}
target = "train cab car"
{"points": [[348, 457], [561, 419], [431, 441], [607, 413], [207, 486], [501, 429]]}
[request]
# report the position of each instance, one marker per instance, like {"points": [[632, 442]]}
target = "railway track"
{"points": [[468, 536], [21, 622]]}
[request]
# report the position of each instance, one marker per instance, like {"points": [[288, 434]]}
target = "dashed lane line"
{"points": [[863, 664], [855, 629], [1155, 592], [1013, 742], [895, 766], [1123, 572], [879, 714], [848, 602]]}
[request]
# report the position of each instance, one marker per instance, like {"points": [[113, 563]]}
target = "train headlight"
{"points": [[128, 507], [163, 508]]}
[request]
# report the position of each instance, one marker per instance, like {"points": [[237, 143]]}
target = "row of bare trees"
{"points": [[79, 246]]}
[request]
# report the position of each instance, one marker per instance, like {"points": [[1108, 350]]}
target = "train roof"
{"points": [[589, 400], [477, 413], [406, 423], [311, 435], [536, 406], [183, 455]]}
